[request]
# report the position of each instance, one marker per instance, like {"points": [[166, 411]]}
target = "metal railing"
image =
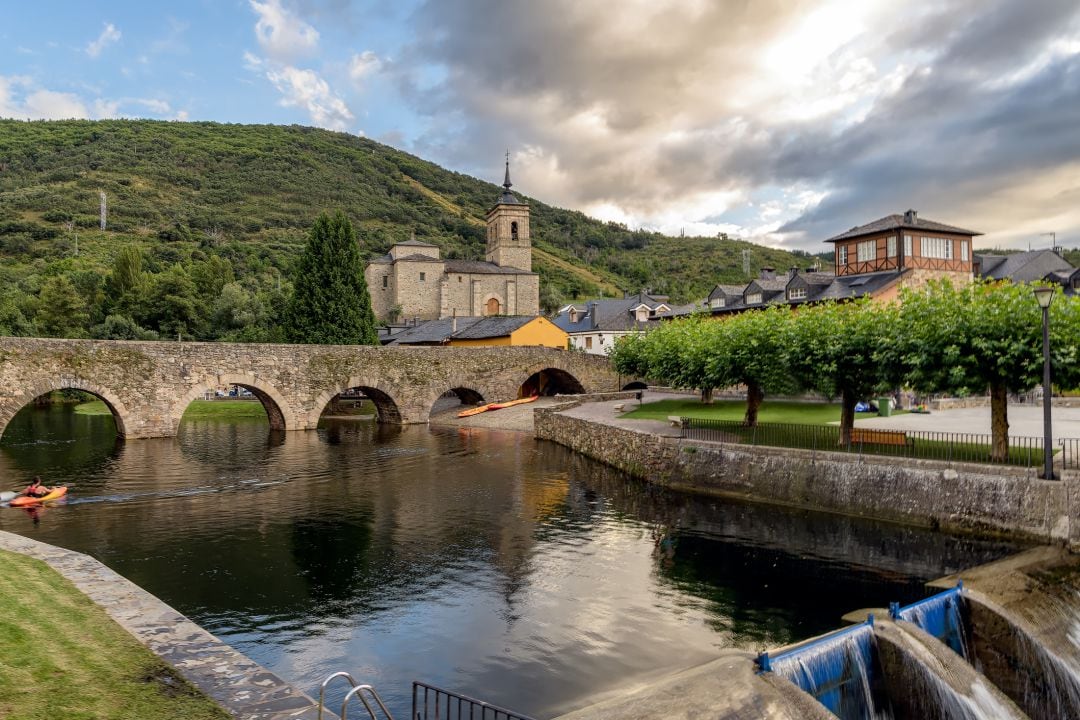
{"points": [[432, 703], [428, 703], [921, 444], [1070, 453], [364, 693]]}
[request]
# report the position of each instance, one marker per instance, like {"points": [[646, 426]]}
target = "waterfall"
{"points": [[941, 616], [1043, 673], [925, 680], [839, 671]]}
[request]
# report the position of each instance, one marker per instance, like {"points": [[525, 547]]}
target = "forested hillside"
{"points": [[206, 221]]}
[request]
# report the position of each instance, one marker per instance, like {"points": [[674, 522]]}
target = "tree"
{"points": [[980, 336], [172, 305], [330, 302], [833, 348], [750, 349], [62, 311]]}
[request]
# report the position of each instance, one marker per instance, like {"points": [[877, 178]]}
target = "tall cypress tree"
{"points": [[330, 304]]}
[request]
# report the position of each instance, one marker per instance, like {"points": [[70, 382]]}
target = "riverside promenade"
{"points": [[966, 497]]}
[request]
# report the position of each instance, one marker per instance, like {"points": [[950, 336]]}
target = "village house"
{"points": [[483, 331], [593, 326], [413, 281]]}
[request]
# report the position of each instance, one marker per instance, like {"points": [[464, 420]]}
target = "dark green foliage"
{"points": [[330, 304], [63, 310], [187, 193]]}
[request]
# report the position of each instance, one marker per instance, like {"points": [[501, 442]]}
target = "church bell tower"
{"points": [[508, 243]]}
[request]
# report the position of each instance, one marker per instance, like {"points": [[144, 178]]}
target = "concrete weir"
{"points": [[728, 688], [241, 686]]}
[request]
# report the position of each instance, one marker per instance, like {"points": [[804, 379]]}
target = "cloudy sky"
{"points": [[779, 121]]}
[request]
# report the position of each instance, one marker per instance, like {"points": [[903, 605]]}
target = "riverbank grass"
{"points": [[800, 413], [61, 656], [221, 410]]}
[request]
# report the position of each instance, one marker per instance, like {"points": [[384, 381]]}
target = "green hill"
{"points": [[220, 213]]}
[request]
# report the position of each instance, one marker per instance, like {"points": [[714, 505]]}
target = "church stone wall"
{"points": [[383, 298], [417, 284]]}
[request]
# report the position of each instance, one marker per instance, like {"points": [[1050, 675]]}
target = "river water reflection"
{"points": [[484, 562]]}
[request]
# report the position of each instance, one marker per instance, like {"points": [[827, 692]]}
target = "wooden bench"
{"points": [[675, 420], [880, 437]]}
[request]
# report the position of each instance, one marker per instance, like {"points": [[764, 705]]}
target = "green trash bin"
{"points": [[884, 406]]}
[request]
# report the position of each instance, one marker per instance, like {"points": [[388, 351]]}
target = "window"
{"points": [[574, 316], [907, 246], [588, 342], [422, 277], [459, 278], [841, 255], [890, 246], [717, 302], [753, 299], [964, 250], [797, 294], [513, 231], [385, 281], [940, 248], [643, 314], [867, 250]]}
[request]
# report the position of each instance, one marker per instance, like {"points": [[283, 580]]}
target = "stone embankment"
{"points": [[954, 496]]}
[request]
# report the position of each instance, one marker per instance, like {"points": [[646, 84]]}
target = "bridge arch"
{"points": [[468, 391], [550, 380], [36, 389], [635, 385], [278, 411], [380, 393]]}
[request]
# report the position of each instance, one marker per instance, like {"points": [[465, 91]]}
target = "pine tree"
{"points": [[330, 304]]}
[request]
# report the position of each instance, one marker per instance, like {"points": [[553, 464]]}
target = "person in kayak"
{"points": [[36, 489]]}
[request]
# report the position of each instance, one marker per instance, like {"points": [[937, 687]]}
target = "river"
{"points": [[485, 562]]}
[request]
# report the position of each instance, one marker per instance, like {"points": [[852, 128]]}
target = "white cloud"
{"points": [[306, 89], [22, 99], [282, 35], [108, 36], [364, 64]]}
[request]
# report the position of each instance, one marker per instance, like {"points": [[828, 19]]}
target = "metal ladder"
{"points": [[364, 693]]}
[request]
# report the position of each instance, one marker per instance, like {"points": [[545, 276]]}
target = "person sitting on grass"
{"points": [[36, 489]]}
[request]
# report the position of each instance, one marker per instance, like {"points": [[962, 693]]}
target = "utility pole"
{"points": [[104, 210], [746, 261]]}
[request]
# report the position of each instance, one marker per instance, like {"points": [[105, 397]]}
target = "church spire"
{"points": [[507, 197]]}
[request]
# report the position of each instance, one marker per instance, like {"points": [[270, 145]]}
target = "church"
{"points": [[413, 281]]}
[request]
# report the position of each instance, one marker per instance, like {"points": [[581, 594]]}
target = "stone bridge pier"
{"points": [[148, 385]]}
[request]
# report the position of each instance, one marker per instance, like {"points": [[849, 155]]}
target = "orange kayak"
{"points": [[25, 501], [496, 406]]}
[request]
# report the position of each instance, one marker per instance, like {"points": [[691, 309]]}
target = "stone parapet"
{"points": [[956, 496], [148, 385]]}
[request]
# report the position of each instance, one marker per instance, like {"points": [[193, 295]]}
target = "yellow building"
{"points": [[517, 330]]}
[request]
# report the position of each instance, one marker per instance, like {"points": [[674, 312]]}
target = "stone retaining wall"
{"points": [[956, 496]]}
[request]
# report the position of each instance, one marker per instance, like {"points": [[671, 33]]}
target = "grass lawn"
{"points": [[770, 412], [72, 661], [224, 410]]}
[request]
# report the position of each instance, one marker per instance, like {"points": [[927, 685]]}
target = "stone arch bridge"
{"points": [[148, 385]]}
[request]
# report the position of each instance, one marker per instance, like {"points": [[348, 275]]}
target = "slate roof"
{"points": [[492, 327], [475, 267], [727, 290], [437, 332], [480, 267], [896, 222], [413, 242], [418, 257], [610, 315], [1021, 267]]}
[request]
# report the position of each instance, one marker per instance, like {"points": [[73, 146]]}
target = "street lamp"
{"points": [[1044, 296]]}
